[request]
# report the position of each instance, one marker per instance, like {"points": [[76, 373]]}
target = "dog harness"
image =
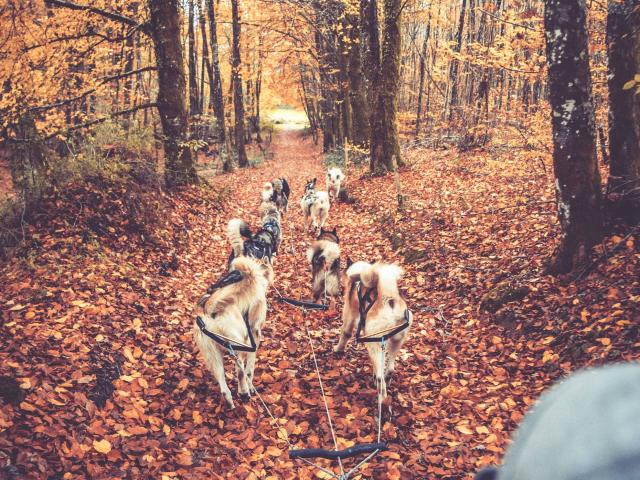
{"points": [[273, 227], [258, 248], [227, 342], [234, 276], [365, 303]]}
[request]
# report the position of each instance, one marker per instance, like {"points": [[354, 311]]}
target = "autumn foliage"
{"points": [[131, 132]]}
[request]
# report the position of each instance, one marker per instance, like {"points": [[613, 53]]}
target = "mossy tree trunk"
{"points": [[165, 32], [574, 142]]}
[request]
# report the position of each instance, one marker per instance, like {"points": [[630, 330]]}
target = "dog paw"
{"points": [[338, 351], [245, 397]]}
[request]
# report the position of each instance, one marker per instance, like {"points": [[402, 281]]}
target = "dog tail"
{"points": [[285, 187], [267, 191], [381, 276], [236, 229]]}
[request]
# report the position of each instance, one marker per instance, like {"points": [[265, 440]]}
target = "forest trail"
{"points": [[98, 328]]}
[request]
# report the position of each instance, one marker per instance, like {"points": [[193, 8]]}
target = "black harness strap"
{"points": [[234, 276], [365, 303], [226, 343], [302, 303], [335, 454]]}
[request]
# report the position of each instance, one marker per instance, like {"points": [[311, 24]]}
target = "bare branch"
{"points": [[116, 17]]}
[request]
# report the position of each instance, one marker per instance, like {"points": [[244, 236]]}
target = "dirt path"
{"points": [[285, 373]]}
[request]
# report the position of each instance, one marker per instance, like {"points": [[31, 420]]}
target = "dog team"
{"points": [[234, 309]]}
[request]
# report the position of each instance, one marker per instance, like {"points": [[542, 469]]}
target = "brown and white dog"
{"points": [[324, 258], [243, 291], [389, 310], [315, 206], [335, 177]]}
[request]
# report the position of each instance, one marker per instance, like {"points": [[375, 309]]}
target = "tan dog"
{"points": [[241, 292], [389, 310]]}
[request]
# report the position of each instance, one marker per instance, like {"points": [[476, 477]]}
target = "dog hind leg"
{"points": [[393, 347], [378, 368], [215, 362], [349, 318], [244, 389]]}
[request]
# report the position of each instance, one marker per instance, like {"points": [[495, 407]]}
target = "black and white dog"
{"points": [[263, 244]]}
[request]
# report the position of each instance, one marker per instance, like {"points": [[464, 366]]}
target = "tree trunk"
{"points": [[28, 161], [165, 32], [453, 71], [574, 145], [384, 147], [623, 43], [206, 60], [194, 103], [238, 98], [216, 83], [258, 91], [357, 92]]}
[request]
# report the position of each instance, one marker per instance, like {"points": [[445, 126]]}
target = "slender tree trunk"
{"points": [[423, 63], [194, 104], [574, 145], [216, 84], [623, 42], [453, 71], [128, 82], [258, 92], [238, 99], [165, 32]]}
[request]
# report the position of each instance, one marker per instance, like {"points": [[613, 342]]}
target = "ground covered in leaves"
{"points": [[99, 375]]}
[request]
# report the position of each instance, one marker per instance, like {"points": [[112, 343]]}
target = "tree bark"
{"points": [[623, 44], [357, 92], [165, 32], [422, 68], [453, 71], [238, 98], [384, 145], [574, 144], [216, 84], [194, 103]]}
